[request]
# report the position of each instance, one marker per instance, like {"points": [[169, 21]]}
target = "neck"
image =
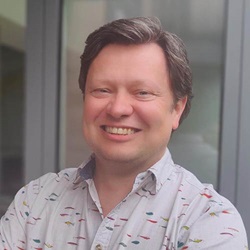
{"points": [[114, 177], [114, 180], [111, 188], [113, 183]]}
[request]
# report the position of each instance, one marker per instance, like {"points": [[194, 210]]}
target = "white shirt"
{"points": [[168, 208]]}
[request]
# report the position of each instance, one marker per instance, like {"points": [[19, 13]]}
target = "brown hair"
{"points": [[141, 30]]}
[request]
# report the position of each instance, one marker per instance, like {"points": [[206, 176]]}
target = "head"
{"points": [[143, 30]]}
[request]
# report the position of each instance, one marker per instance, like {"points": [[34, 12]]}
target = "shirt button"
{"points": [[98, 247]]}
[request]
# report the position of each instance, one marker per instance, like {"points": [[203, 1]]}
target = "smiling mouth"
{"points": [[119, 131]]}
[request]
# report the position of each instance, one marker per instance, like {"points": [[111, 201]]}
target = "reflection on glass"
{"points": [[12, 22], [201, 25]]}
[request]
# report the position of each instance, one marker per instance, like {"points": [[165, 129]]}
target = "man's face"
{"points": [[129, 111]]}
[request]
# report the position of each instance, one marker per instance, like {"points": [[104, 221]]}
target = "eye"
{"points": [[145, 95], [100, 92]]}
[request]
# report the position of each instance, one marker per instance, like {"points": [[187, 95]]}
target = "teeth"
{"points": [[119, 131]]}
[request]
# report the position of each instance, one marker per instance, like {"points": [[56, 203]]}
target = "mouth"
{"points": [[119, 130]]}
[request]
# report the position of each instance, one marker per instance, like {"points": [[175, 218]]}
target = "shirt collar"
{"points": [[162, 169], [159, 172], [86, 170]]}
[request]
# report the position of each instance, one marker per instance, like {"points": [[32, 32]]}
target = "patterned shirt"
{"points": [[168, 208]]}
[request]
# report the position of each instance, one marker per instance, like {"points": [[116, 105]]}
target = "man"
{"points": [[136, 85]]}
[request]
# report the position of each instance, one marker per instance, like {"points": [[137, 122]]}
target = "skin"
{"points": [[128, 87]]}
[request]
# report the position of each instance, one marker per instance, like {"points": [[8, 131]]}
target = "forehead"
{"points": [[143, 55], [130, 64]]}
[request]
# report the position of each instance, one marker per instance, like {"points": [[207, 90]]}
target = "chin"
{"points": [[117, 156]]}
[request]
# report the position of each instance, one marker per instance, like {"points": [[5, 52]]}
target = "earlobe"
{"points": [[178, 110]]}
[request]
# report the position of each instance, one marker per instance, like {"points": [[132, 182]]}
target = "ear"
{"points": [[177, 112]]}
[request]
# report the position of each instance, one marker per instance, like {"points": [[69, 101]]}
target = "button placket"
{"points": [[104, 233]]}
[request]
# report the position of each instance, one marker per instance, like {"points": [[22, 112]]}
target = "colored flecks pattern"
{"points": [[62, 213]]}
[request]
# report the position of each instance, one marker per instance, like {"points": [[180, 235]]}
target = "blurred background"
{"points": [[41, 105]]}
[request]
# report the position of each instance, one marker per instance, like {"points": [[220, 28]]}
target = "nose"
{"points": [[119, 106]]}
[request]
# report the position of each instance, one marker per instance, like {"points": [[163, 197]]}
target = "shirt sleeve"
{"points": [[219, 227], [13, 223]]}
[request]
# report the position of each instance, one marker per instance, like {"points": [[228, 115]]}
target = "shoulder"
{"points": [[35, 198], [208, 217], [191, 186], [50, 182], [62, 178], [201, 197], [45, 188]]}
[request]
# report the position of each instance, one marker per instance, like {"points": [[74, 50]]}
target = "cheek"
{"points": [[92, 111], [87, 123], [89, 108], [87, 118], [86, 112], [153, 116]]}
